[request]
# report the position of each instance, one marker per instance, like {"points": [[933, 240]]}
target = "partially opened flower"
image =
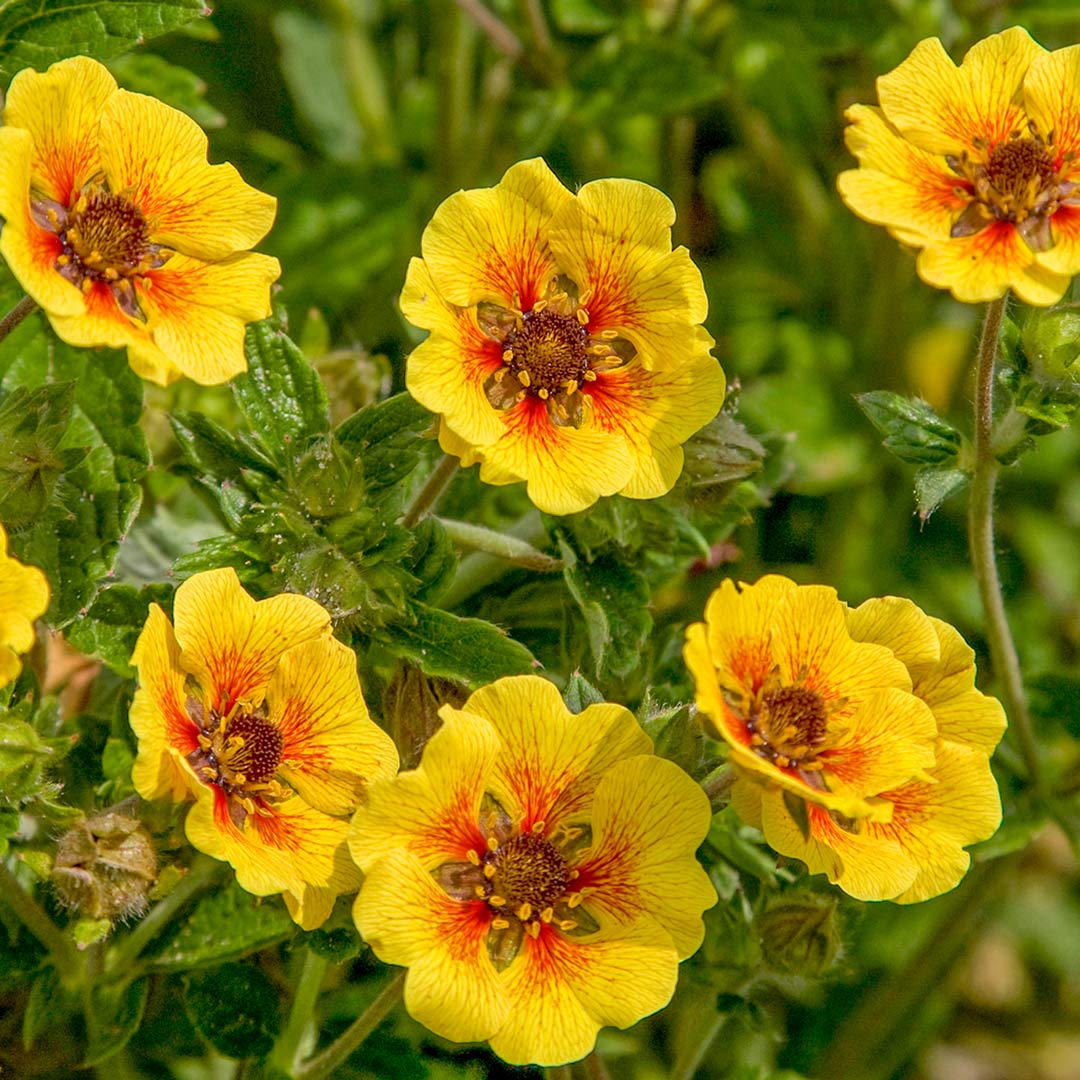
{"points": [[535, 873], [24, 597], [977, 166], [118, 227], [254, 711], [566, 348], [859, 742]]}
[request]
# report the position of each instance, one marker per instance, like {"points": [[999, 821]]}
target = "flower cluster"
{"points": [[976, 166], [860, 743], [24, 597], [566, 348], [119, 229]]}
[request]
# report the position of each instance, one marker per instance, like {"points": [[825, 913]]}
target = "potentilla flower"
{"points": [[535, 873], [977, 166], [566, 348], [254, 711], [859, 742], [118, 227], [24, 597]]}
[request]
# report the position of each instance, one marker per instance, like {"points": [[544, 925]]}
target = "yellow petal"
{"points": [[900, 626], [158, 155], [452, 987], [746, 795], [159, 715], [614, 241], [60, 109], [421, 303], [331, 749], [648, 820], [551, 759], [29, 250], [1064, 257], [432, 810], [564, 991], [99, 322], [232, 644], [491, 243], [24, 597], [865, 866]]}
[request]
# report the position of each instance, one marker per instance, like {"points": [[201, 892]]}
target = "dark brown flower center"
{"points": [[529, 871], [1019, 181], [792, 724], [107, 236], [548, 352]]}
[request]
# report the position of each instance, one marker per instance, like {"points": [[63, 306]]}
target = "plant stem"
{"points": [[480, 569], [16, 316], [688, 1063], [287, 1049], [436, 484], [324, 1064], [981, 539], [202, 873], [34, 917], [501, 545]]}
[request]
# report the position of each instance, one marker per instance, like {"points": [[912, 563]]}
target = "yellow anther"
{"points": [[782, 761], [573, 875], [542, 393], [532, 929], [489, 872], [508, 355], [582, 315], [473, 856], [547, 914], [480, 891], [523, 378], [571, 386], [573, 899], [590, 376], [497, 901], [600, 349], [87, 285], [540, 305], [63, 260], [492, 843], [567, 924], [524, 913], [539, 826], [499, 924], [560, 408], [204, 743]]}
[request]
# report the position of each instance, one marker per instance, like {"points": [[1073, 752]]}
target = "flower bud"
{"points": [[799, 934], [105, 867]]}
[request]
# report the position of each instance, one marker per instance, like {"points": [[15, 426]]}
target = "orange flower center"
{"points": [[549, 353], [239, 753], [1019, 182], [790, 725]]}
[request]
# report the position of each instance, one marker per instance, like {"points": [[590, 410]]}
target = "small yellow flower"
{"points": [[859, 742], [118, 227], [536, 873], [566, 348], [253, 710], [977, 166], [24, 597]]}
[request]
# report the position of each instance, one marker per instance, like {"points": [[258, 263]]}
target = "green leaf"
{"points": [[614, 600], [387, 438], [113, 623], [580, 693], [235, 1007], [23, 755], [76, 539], [914, 432], [34, 33], [446, 645], [226, 926], [676, 734], [48, 1005], [934, 486], [147, 73], [280, 394], [114, 1014], [431, 560]]}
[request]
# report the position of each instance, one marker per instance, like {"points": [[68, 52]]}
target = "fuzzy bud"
{"points": [[799, 934]]}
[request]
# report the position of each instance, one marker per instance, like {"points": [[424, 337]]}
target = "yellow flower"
{"points": [[24, 597], [119, 229], [565, 345], [253, 710], [977, 166], [536, 873], [859, 742]]}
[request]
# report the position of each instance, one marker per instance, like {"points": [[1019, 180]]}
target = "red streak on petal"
{"points": [[523, 270], [278, 831]]}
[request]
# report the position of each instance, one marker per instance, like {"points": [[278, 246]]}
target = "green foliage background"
{"points": [[361, 116]]}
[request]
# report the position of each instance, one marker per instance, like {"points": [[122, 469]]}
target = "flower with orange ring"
{"points": [[254, 711], [859, 742], [566, 348], [977, 166], [24, 597], [116, 225], [536, 873]]}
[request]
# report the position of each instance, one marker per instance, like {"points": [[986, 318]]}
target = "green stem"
{"points": [[436, 484], [717, 785], [324, 1064], [204, 870], [981, 539], [689, 1061], [287, 1049], [596, 1068], [501, 545], [476, 571], [16, 316], [61, 949]]}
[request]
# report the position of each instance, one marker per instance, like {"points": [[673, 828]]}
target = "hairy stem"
{"points": [[325, 1064], [981, 539], [16, 316], [429, 494], [502, 545], [287, 1049], [36, 920]]}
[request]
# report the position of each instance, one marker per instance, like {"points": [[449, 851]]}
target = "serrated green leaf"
{"points": [[446, 645], [34, 33], [934, 486], [235, 1007], [113, 623], [431, 560], [147, 73], [580, 693], [387, 438], [114, 1014], [226, 926], [614, 600], [23, 755], [914, 432], [280, 394]]}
